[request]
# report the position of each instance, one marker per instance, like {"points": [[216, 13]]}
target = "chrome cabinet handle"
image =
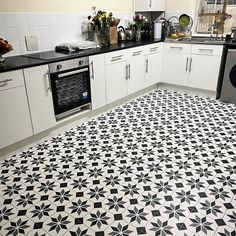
{"points": [[92, 71], [205, 49], [146, 65], [190, 66], [137, 53], [116, 58], [187, 64], [153, 49], [176, 47], [48, 82], [150, 3], [5, 81], [127, 72]]}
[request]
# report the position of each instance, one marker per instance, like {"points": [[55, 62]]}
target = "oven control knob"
{"points": [[81, 62], [59, 66]]}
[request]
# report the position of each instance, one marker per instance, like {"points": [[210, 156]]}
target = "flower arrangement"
{"points": [[139, 21], [101, 20], [5, 47]]}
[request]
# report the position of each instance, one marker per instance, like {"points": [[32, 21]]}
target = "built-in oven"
{"points": [[70, 85]]}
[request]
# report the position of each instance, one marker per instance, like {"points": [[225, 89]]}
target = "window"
{"points": [[216, 16]]}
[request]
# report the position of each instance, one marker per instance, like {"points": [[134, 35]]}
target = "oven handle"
{"points": [[72, 72]]}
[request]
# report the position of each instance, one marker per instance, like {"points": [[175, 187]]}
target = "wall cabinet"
{"points": [[194, 66], [15, 122], [97, 80], [40, 98], [150, 5], [153, 64]]}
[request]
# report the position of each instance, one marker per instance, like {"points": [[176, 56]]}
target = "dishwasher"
{"points": [[228, 89]]}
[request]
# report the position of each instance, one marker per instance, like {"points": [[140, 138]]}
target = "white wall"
{"points": [[180, 5]]}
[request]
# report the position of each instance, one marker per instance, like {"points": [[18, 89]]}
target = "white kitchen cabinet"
{"points": [[116, 75], [40, 98], [135, 68], [15, 122], [195, 65], [150, 5], [97, 80], [153, 64], [176, 60], [204, 66], [175, 68]]}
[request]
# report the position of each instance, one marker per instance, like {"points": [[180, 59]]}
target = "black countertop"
{"points": [[21, 62]]}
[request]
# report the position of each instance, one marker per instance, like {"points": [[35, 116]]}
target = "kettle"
{"points": [[121, 34], [130, 34]]}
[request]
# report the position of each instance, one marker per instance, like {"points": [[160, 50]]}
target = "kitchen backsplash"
{"points": [[50, 28]]}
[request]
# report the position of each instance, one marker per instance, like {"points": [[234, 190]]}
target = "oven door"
{"points": [[70, 90]]}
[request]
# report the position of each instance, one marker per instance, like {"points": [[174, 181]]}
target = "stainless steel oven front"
{"points": [[70, 85]]}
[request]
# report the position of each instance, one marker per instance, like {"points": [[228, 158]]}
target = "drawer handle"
{"points": [[5, 81], [153, 49], [176, 48], [137, 53], [206, 49]]}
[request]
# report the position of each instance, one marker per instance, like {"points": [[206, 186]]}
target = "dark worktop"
{"points": [[21, 62]]}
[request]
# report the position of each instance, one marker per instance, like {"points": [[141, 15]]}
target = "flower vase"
{"points": [[138, 35], [103, 38]]}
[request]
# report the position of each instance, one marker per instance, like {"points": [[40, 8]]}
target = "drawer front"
{"points": [[212, 50], [153, 48], [135, 52], [114, 57], [177, 48], [11, 79]]}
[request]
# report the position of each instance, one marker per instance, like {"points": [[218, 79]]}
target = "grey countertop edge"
{"points": [[22, 62]]}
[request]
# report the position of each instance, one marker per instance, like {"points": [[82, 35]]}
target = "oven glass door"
{"points": [[70, 89]]}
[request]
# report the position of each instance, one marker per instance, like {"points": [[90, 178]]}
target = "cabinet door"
{"points": [[135, 80], [97, 81], [157, 5], [153, 68], [175, 68], [142, 5], [116, 81], [150, 5], [204, 71], [40, 98], [15, 122]]}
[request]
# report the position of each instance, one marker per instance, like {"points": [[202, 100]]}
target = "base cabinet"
{"points": [[15, 122], [135, 69], [97, 81], [175, 68], [40, 98], [195, 65], [116, 77]]}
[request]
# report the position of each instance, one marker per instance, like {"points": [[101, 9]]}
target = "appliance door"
{"points": [[228, 92], [70, 90]]}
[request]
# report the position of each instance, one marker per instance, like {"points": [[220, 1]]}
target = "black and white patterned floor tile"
{"points": [[161, 164]]}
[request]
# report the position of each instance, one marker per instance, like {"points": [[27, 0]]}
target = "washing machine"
{"points": [[228, 90]]}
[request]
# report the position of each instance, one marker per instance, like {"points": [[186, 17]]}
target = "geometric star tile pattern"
{"points": [[161, 164]]}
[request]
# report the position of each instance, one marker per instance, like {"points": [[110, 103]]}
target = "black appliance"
{"points": [[70, 85]]}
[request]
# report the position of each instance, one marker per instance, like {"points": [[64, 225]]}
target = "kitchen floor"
{"points": [[161, 164]]}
